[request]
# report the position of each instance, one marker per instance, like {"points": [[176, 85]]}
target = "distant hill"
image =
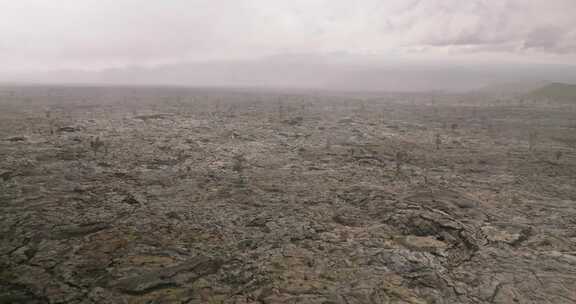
{"points": [[335, 72], [559, 92], [510, 89]]}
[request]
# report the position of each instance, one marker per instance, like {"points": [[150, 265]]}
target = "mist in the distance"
{"points": [[364, 45]]}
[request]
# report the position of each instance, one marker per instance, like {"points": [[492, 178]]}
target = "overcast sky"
{"points": [[41, 34]]}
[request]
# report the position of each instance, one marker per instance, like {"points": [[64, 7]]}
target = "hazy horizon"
{"points": [[437, 44]]}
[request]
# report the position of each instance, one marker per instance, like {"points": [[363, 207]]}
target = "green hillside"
{"points": [[561, 92]]}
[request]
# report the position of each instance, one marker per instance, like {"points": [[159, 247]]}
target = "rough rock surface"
{"points": [[219, 198]]}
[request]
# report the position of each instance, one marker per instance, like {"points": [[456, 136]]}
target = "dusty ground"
{"points": [[174, 196]]}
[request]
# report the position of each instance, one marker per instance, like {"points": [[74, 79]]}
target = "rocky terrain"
{"points": [[176, 196]]}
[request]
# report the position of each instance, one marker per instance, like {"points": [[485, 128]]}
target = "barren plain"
{"points": [[170, 195]]}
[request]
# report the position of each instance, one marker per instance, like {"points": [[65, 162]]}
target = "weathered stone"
{"points": [[16, 138], [421, 243], [165, 278], [73, 231], [69, 129]]}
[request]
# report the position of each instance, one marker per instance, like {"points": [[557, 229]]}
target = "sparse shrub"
{"points": [[438, 141], [328, 143], [232, 110], [294, 121], [532, 140], [303, 108], [362, 107], [401, 157], [238, 166], [281, 110], [97, 145], [216, 107], [558, 155], [351, 152], [51, 122]]}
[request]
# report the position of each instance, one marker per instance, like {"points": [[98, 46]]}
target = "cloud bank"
{"points": [[38, 34]]}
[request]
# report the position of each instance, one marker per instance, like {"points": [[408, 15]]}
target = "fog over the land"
{"points": [[367, 44]]}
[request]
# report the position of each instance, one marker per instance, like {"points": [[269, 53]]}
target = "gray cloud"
{"points": [[508, 25], [551, 39], [104, 33]]}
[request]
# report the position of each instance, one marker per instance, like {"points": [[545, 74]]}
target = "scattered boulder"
{"points": [[421, 243], [14, 293], [346, 120], [294, 121], [510, 234], [6, 175], [349, 217], [173, 276], [258, 222], [452, 202], [153, 116], [16, 138], [73, 231], [130, 199], [68, 129]]}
